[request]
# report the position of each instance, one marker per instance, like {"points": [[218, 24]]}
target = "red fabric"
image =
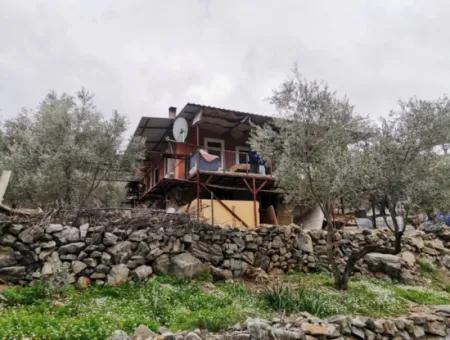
{"points": [[207, 156]]}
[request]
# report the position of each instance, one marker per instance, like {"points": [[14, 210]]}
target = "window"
{"points": [[169, 167], [242, 154], [215, 147]]}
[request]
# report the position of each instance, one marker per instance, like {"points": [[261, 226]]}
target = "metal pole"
{"points": [[212, 208], [198, 174], [255, 216]]}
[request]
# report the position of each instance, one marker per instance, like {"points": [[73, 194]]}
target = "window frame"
{"points": [[239, 149], [222, 148]]}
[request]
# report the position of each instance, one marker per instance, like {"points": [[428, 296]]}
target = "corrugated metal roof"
{"points": [[190, 109]]}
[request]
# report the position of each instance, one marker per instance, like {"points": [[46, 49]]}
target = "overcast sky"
{"points": [[141, 57]]}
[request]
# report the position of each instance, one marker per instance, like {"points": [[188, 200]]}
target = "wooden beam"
{"points": [[227, 208]]}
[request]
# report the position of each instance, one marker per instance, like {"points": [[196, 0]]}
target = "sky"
{"points": [[140, 57]]}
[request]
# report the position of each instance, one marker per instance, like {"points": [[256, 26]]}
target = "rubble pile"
{"points": [[113, 250], [433, 324]]}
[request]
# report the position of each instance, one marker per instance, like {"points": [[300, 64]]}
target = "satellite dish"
{"points": [[180, 129]]}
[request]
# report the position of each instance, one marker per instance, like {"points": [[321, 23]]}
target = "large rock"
{"points": [[207, 252], [446, 261], [7, 257], [384, 263], [305, 243], [71, 248], [138, 235], [186, 266], [143, 333], [52, 265], [78, 267], [12, 274], [31, 234], [142, 272], [109, 239], [68, 234], [84, 230], [121, 252], [409, 258], [53, 228], [119, 335], [326, 330], [118, 275], [161, 264]]}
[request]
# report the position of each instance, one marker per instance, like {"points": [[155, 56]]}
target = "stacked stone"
{"points": [[434, 324], [165, 243], [121, 249]]}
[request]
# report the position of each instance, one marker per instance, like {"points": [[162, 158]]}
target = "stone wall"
{"points": [[432, 324], [114, 249]]}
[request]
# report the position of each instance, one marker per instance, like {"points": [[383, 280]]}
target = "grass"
{"points": [[40, 312], [96, 312]]}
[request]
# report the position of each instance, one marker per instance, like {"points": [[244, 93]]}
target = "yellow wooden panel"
{"points": [[215, 213]]}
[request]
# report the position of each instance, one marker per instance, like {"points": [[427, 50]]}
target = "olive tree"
{"points": [[64, 154], [325, 153]]}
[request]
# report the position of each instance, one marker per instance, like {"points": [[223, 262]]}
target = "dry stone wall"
{"points": [[432, 324], [113, 250]]}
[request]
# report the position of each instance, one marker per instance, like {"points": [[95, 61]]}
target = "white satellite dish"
{"points": [[180, 129]]}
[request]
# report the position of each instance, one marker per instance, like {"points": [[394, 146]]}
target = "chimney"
{"points": [[172, 112]]}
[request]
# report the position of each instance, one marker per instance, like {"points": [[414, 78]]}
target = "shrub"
{"points": [[283, 298], [26, 295], [426, 267]]}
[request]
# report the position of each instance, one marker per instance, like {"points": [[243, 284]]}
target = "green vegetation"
{"points": [[426, 267], [96, 312], [41, 312]]}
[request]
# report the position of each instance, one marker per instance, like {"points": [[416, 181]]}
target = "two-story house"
{"points": [[199, 161]]}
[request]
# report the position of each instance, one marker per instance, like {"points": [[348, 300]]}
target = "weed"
{"points": [[282, 298], [426, 267]]}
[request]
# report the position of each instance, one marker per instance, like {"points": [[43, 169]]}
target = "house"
{"points": [[199, 161]]}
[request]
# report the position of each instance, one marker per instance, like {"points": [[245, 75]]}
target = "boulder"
{"points": [[7, 257], [31, 234], [78, 267], [417, 242], [118, 275], [138, 236], [142, 272], [258, 328], [52, 265], [186, 266], [221, 274], [161, 264], [207, 252], [15, 229], [409, 258], [143, 333], [384, 263], [446, 261], [304, 243], [53, 228], [83, 282], [71, 248], [68, 234], [119, 335], [84, 230], [121, 251], [7, 240], [12, 274], [327, 330]]}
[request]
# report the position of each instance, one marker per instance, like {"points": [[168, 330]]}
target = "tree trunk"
{"points": [[374, 216], [342, 278]]}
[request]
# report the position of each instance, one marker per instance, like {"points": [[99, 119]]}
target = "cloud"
{"points": [[141, 57]]}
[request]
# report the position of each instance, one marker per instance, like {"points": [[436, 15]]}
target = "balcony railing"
{"points": [[228, 161]]}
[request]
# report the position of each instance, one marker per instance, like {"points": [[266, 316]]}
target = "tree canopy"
{"points": [[63, 153], [325, 153]]}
